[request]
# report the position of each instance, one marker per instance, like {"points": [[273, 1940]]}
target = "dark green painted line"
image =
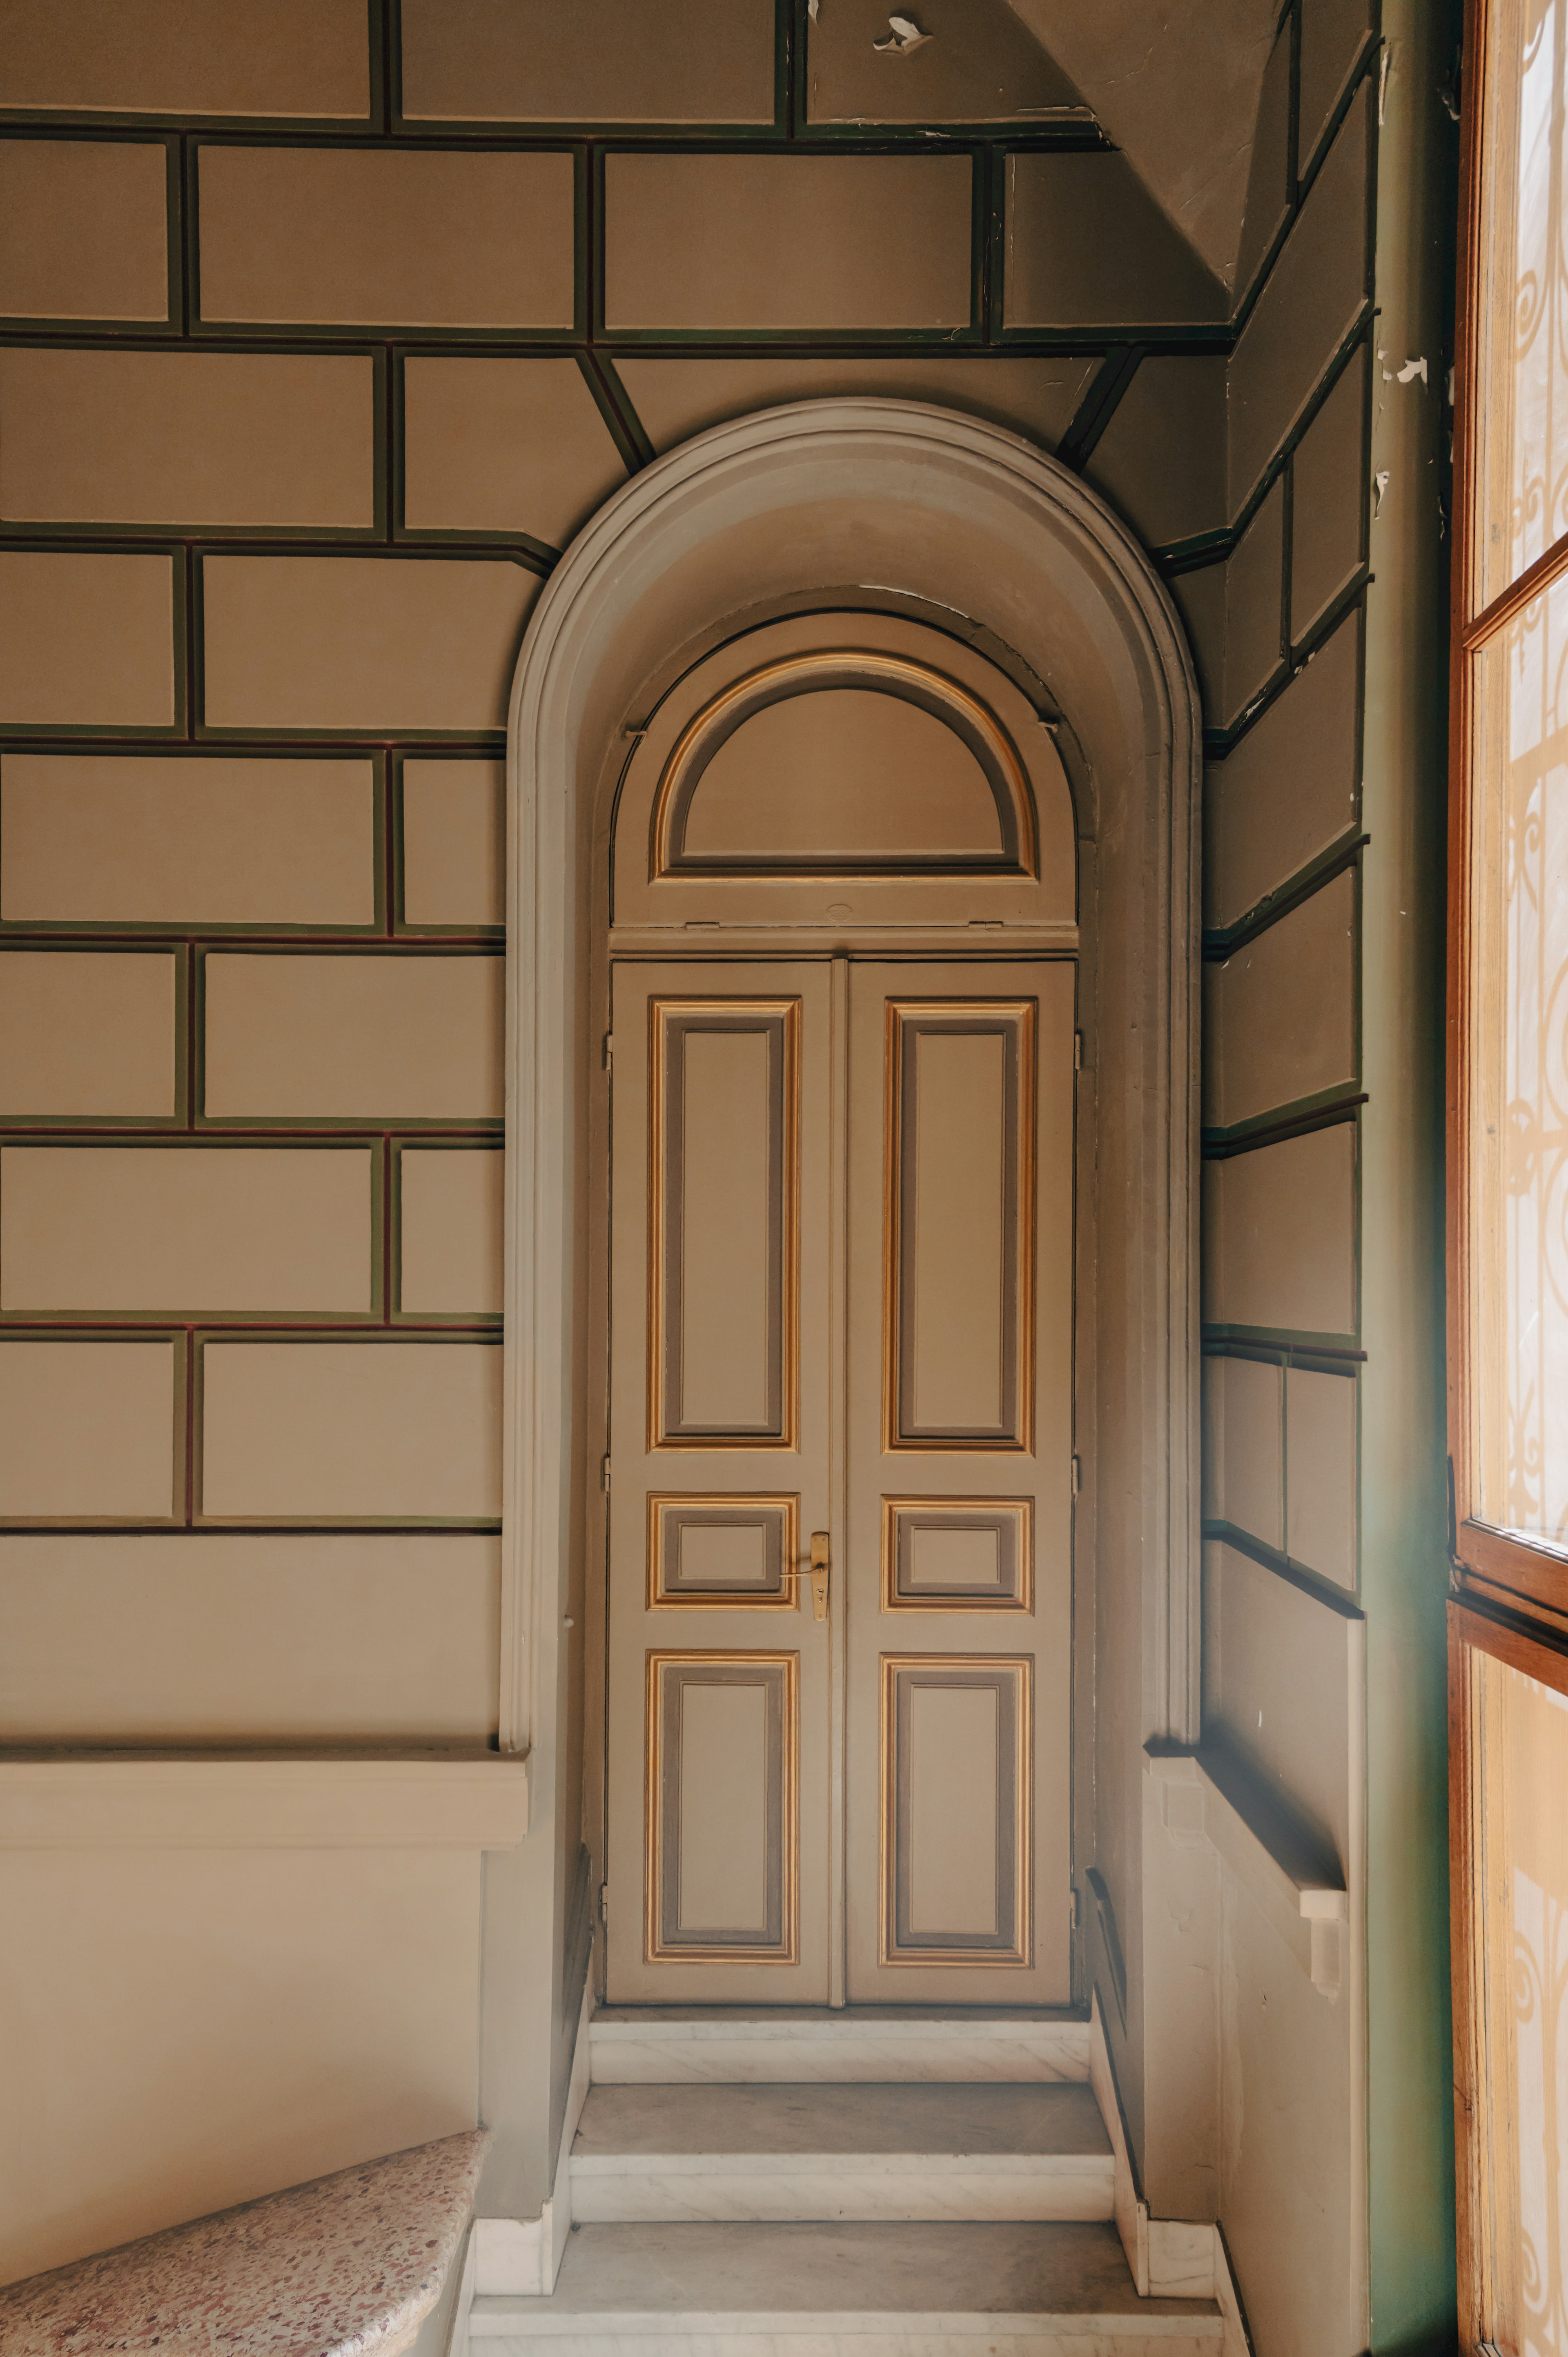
{"points": [[1221, 1340], [1223, 941], [1293, 1119], [1218, 742], [615, 407], [792, 69], [1338, 1111], [386, 64], [1288, 1354], [1106, 390], [1298, 1575]]}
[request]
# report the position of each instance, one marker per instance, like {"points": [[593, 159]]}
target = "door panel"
{"points": [[960, 1462], [720, 1371], [724, 1088], [723, 1807], [842, 1302], [960, 1130]]}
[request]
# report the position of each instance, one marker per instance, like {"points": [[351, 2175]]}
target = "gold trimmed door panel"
{"points": [[719, 1705], [842, 1304], [958, 1881]]}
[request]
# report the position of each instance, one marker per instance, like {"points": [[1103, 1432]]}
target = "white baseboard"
{"points": [[521, 2256], [1169, 2257]]}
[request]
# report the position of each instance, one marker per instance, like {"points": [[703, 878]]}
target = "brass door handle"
{"points": [[822, 1561]]}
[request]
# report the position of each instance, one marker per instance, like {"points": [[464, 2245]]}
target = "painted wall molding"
{"points": [[259, 1804]]}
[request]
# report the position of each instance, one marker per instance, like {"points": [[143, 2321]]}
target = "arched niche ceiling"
{"points": [[850, 767]]}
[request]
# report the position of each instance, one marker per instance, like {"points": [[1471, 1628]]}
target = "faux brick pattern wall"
{"points": [[316, 349]]}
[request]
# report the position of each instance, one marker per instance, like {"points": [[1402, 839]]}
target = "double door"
{"points": [[840, 1482]]}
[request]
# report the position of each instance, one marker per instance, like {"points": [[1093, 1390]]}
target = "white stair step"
{"points": [[652, 2047], [940, 2290], [832, 2152]]}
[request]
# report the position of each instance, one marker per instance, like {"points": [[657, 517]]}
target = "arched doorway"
{"points": [[901, 593]]}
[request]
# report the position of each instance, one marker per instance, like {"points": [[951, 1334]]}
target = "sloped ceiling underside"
{"points": [[1176, 87]]}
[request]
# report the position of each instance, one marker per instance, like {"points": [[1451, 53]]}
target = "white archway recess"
{"points": [[900, 497]]}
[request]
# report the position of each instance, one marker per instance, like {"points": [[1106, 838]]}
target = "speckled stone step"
{"points": [[827, 2152], [348, 2265], [648, 2046], [850, 2290]]}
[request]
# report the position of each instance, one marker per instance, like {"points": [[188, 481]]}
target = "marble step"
{"points": [[648, 2046], [829, 2152], [845, 2291]]}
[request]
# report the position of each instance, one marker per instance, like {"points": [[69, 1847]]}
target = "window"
{"points": [[1508, 1186]]}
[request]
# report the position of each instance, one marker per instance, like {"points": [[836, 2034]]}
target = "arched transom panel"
{"points": [[844, 766]]}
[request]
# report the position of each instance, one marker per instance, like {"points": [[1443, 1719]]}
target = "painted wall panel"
{"points": [[325, 642], [454, 843], [132, 839], [87, 1430], [1333, 37], [1268, 171], [201, 1637], [677, 398], [512, 446], [1254, 608], [389, 236], [1277, 1685], [1289, 789], [1278, 1229], [979, 65], [1280, 1011], [1088, 246], [86, 641], [1321, 1472], [1246, 1427], [196, 2027], [286, 438], [606, 62], [1328, 501], [764, 242], [179, 1228], [1315, 294], [1161, 461], [450, 1228], [84, 228], [87, 1034], [169, 57], [321, 1431], [346, 1038]]}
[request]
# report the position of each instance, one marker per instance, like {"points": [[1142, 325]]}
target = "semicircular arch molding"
{"points": [[750, 517]]}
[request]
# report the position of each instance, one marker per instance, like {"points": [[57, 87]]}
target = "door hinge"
{"points": [[603, 1902], [1078, 1051], [604, 1476], [609, 1050], [1072, 1909], [1077, 1475]]}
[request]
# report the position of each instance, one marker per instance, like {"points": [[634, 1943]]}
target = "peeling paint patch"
{"points": [[903, 38]]}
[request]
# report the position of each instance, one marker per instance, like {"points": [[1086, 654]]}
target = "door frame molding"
{"points": [[947, 509]]}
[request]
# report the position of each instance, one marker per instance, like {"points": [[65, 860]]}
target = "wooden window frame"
{"points": [[1511, 1589], [1523, 1573], [1482, 2137]]}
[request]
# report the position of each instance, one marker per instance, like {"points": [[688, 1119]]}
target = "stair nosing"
{"points": [[842, 2164], [1204, 2319]]}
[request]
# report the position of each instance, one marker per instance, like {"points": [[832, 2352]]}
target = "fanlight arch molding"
{"points": [[962, 516], [818, 671]]}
